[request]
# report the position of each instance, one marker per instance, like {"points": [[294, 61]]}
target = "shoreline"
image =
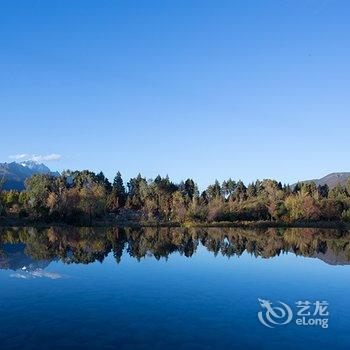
{"points": [[15, 222]]}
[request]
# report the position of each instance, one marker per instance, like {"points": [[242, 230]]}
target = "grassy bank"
{"points": [[8, 221]]}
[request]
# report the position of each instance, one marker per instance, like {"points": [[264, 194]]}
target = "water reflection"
{"points": [[30, 250]]}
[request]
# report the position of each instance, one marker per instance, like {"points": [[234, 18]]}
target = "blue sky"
{"points": [[205, 89]]}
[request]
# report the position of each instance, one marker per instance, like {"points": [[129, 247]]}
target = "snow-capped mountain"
{"points": [[37, 167], [13, 175]]}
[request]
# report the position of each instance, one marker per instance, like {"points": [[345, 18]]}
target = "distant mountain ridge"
{"points": [[13, 175], [331, 180]]}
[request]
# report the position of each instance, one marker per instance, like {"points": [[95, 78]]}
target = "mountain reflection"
{"points": [[30, 250]]}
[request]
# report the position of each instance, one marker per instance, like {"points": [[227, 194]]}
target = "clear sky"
{"points": [[204, 89]]}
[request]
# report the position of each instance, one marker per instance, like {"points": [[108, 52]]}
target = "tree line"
{"points": [[84, 196]]}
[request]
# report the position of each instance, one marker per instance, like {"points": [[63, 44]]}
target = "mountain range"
{"points": [[13, 175], [331, 179]]}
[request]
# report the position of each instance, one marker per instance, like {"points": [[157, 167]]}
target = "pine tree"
{"points": [[119, 190]]}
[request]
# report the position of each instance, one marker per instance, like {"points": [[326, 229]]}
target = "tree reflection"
{"points": [[86, 245]]}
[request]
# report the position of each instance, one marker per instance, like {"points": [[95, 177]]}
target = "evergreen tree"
{"points": [[190, 189], [102, 180], [228, 187], [323, 191], [251, 190], [118, 190], [214, 191], [240, 191]]}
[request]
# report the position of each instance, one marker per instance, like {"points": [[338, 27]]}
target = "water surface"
{"points": [[108, 288]]}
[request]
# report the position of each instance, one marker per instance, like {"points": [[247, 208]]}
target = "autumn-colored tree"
{"points": [[81, 196], [93, 200], [179, 209]]}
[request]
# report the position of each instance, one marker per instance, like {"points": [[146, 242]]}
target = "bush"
{"points": [[346, 215]]}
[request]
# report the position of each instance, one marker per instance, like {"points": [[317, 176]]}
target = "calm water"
{"points": [[172, 288]]}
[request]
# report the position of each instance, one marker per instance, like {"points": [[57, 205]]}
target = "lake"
{"points": [[200, 288]]}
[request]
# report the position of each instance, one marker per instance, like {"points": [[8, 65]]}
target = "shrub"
{"points": [[346, 215]]}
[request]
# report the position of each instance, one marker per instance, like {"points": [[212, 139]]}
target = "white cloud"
{"points": [[36, 157], [38, 273], [19, 156], [45, 158]]}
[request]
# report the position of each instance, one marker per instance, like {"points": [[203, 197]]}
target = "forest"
{"points": [[82, 197]]}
